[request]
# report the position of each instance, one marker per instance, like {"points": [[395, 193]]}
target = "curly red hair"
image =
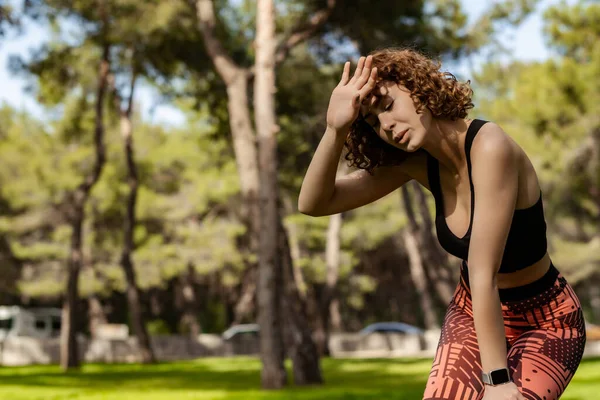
{"points": [[440, 92]]}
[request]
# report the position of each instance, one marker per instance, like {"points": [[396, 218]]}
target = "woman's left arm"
{"points": [[495, 181]]}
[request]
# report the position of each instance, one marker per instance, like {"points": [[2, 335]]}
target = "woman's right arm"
{"points": [[322, 194]]}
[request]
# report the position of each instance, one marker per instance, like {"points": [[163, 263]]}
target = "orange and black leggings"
{"points": [[545, 337]]}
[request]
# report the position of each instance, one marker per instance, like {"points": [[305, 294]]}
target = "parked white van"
{"points": [[31, 322]]}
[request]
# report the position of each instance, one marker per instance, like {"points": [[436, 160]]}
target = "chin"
{"points": [[409, 147], [412, 145]]}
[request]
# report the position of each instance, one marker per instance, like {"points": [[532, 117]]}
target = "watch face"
{"points": [[499, 376]]}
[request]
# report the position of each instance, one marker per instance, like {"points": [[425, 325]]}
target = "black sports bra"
{"points": [[526, 243]]}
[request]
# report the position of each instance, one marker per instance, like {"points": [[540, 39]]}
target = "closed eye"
{"points": [[389, 106]]}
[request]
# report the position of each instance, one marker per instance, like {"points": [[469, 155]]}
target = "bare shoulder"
{"points": [[498, 159], [493, 147]]}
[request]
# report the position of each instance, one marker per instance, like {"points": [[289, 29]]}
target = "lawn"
{"points": [[237, 379]]}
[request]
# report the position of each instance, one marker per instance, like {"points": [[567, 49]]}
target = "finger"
{"points": [[359, 68], [370, 85], [345, 74], [366, 72]]}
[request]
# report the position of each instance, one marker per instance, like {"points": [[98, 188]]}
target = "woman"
{"points": [[514, 328]]}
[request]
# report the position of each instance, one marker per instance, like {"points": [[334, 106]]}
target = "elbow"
{"points": [[303, 206], [314, 206], [483, 281], [307, 210], [306, 206], [303, 209]]}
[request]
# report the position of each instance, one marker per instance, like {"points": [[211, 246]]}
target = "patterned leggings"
{"points": [[545, 335]]}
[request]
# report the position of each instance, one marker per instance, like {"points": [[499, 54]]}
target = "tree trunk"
{"points": [[292, 233], [69, 357], [302, 349], [97, 316], [245, 304], [138, 321], [269, 266], [11, 268], [332, 260], [417, 270], [595, 175], [335, 316], [240, 122], [244, 144], [189, 303], [593, 293]]}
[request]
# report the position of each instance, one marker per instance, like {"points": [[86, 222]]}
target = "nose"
{"points": [[386, 122]]}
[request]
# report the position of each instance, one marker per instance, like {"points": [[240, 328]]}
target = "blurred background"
{"points": [[151, 156]]}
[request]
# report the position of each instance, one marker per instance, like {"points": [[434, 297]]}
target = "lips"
{"points": [[398, 137]]}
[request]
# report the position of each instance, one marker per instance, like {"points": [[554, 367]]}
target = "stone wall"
{"points": [[26, 351]]}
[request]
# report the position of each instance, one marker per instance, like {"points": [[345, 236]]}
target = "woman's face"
{"points": [[393, 115]]}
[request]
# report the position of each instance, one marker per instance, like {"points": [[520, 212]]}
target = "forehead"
{"points": [[374, 100]]}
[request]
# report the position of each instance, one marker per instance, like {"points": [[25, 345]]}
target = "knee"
{"points": [[540, 393], [449, 388]]}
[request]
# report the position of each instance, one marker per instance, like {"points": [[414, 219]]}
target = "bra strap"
{"points": [[474, 127]]}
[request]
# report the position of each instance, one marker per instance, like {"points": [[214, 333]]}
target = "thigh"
{"points": [[543, 361], [456, 371]]}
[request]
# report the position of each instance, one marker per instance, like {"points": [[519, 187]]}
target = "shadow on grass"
{"points": [[345, 379]]}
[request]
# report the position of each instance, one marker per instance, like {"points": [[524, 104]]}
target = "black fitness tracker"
{"points": [[496, 377]]}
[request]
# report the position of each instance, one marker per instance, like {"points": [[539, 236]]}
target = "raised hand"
{"points": [[347, 96]]}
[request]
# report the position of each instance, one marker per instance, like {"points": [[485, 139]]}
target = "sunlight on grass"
{"points": [[239, 379]]}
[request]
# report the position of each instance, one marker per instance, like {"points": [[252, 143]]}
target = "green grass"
{"points": [[239, 378]]}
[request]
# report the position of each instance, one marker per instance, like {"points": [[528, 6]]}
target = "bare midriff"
{"points": [[527, 275]]}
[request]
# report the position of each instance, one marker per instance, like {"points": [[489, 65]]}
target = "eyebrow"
{"points": [[374, 105]]}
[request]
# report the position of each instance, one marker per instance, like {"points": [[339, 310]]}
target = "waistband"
{"points": [[520, 292]]}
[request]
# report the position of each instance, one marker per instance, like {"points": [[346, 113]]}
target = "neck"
{"points": [[443, 142]]}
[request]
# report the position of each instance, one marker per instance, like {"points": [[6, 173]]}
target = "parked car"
{"points": [[592, 331], [240, 330], [392, 327]]}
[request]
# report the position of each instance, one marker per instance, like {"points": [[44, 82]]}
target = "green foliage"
{"points": [[30, 164], [187, 178], [188, 200], [574, 30], [371, 225], [214, 317], [301, 112], [157, 327], [363, 230], [483, 34], [7, 18]]}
